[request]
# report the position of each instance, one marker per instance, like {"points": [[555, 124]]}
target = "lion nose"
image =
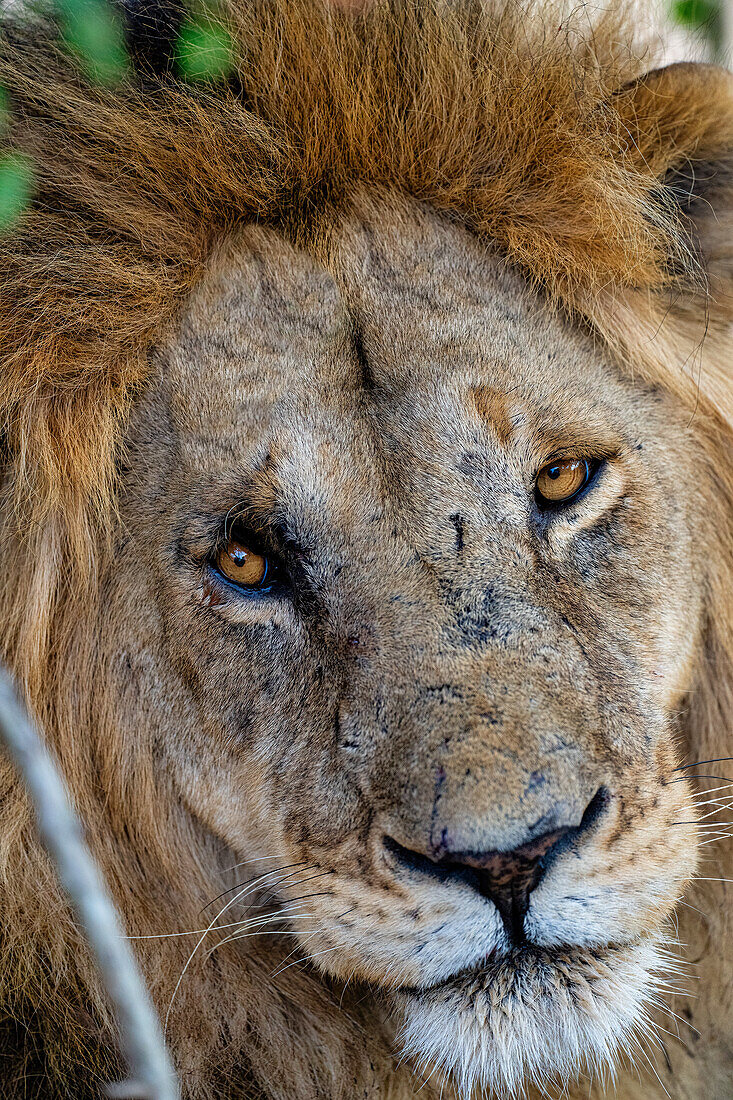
{"points": [[508, 878], [505, 878]]}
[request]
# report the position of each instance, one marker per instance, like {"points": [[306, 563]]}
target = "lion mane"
{"points": [[537, 131]]}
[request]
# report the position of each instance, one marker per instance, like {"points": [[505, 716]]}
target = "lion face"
{"points": [[410, 566]]}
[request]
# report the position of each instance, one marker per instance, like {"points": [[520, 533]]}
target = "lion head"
{"points": [[367, 518]]}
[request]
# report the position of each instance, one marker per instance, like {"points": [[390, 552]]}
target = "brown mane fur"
{"points": [[524, 126]]}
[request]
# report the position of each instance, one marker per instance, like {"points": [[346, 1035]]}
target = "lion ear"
{"points": [[681, 120], [679, 125]]}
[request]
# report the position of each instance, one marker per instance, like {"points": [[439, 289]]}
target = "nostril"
{"points": [[507, 878], [443, 869], [597, 806]]}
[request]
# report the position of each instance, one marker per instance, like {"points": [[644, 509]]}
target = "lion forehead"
{"points": [[394, 299]]}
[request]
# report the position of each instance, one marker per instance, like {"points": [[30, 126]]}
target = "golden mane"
{"points": [[522, 122]]}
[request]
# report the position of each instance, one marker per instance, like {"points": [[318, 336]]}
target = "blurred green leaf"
{"points": [[694, 13], [204, 51], [94, 32], [16, 183]]}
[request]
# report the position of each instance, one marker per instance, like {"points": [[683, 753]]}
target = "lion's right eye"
{"points": [[243, 566]]}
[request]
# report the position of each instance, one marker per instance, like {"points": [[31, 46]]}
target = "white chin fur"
{"points": [[541, 1018]]}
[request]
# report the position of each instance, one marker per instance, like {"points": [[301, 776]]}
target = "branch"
{"points": [[141, 1038]]}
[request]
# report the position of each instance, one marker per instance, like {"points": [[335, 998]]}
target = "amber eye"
{"points": [[242, 566], [561, 481]]}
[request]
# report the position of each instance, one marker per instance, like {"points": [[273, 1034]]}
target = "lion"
{"points": [[367, 553]]}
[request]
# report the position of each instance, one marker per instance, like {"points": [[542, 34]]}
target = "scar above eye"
{"points": [[494, 409]]}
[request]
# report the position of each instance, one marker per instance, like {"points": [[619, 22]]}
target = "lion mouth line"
{"points": [[504, 965]]}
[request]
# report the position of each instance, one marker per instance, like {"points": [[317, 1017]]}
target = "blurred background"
{"points": [[695, 30]]}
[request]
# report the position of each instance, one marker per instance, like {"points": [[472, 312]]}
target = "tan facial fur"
{"points": [[402, 776], [446, 666]]}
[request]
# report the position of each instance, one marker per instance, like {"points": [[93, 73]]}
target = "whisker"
{"points": [[693, 908], [242, 893], [701, 826], [346, 913], [705, 795], [343, 991], [290, 882], [433, 1070], [681, 1020], [224, 893], [273, 899], [247, 862], [710, 813], [689, 778], [718, 804], [310, 878], [244, 934], [307, 958], [194, 931], [291, 953], [262, 932], [711, 790], [190, 957], [317, 894], [699, 763]]}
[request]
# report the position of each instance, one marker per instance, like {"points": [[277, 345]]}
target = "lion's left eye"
{"points": [[562, 481], [243, 566]]}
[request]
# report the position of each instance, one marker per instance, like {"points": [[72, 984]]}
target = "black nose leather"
{"points": [[505, 878], [508, 878]]}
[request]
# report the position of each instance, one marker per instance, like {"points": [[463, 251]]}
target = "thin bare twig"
{"points": [[141, 1039]]}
